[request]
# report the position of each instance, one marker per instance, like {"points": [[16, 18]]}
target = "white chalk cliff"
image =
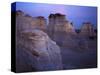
{"points": [[43, 53], [35, 51]]}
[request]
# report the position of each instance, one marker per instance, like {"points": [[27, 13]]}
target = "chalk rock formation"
{"points": [[41, 22], [25, 21], [37, 51], [59, 29], [87, 30], [58, 23]]}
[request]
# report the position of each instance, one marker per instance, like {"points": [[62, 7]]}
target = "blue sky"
{"points": [[75, 14]]}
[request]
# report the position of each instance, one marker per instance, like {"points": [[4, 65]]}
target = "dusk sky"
{"points": [[75, 14]]}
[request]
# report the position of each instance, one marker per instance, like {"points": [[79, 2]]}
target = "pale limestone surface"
{"points": [[43, 53]]}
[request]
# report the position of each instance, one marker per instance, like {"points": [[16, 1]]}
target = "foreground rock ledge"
{"points": [[37, 52]]}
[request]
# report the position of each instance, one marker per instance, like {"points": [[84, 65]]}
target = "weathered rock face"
{"points": [[69, 28], [41, 22], [87, 30], [24, 22], [38, 51], [61, 30], [59, 24], [58, 20]]}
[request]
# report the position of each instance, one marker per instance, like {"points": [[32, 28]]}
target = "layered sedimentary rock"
{"points": [[61, 30], [25, 21], [41, 22], [58, 23], [87, 30], [38, 51], [35, 51]]}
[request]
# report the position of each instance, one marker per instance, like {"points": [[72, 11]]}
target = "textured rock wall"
{"points": [[87, 30], [35, 51], [24, 22]]}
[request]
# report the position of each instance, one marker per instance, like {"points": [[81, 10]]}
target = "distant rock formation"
{"points": [[59, 28], [87, 30], [19, 12], [58, 22], [25, 21]]}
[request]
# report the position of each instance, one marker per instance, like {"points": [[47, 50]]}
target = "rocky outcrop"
{"points": [[87, 30], [58, 23], [25, 21], [41, 22], [61, 30], [38, 51], [35, 51]]}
